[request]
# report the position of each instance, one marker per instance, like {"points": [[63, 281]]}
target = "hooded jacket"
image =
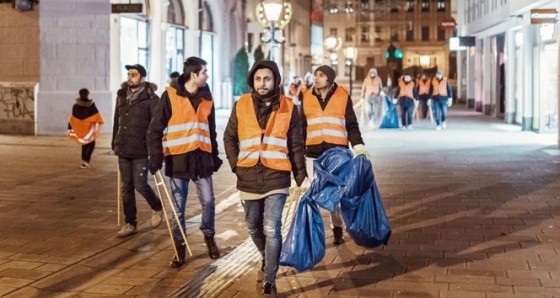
{"points": [[352, 126], [189, 165], [131, 121], [84, 118], [258, 178]]}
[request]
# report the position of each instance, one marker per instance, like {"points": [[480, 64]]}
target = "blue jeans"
{"points": [[264, 221], [439, 106], [205, 192], [134, 175], [407, 108]]}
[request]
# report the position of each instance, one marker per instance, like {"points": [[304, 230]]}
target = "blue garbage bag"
{"points": [[391, 118], [304, 246], [362, 208], [331, 169]]}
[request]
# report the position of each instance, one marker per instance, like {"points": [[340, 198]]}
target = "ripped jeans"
{"points": [[264, 221]]}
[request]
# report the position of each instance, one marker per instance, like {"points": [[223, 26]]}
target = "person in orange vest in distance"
{"points": [[84, 125], [371, 96], [328, 121], [264, 144], [407, 93], [183, 129], [442, 97], [424, 84]]}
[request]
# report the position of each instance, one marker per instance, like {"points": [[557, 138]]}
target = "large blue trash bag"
{"points": [[362, 209], [331, 169], [391, 118], [304, 246]]}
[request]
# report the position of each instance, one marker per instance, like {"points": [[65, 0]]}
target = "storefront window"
{"points": [[134, 43]]}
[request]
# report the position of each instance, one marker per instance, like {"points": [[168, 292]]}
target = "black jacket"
{"points": [[131, 121], [258, 178], [190, 165], [352, 125]]}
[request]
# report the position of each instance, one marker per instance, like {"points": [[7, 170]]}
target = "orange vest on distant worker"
{"points": [[327, 125], [269, 145], [407, 90], [187, 129], [440, 88], [423, 87], [372, 86]]}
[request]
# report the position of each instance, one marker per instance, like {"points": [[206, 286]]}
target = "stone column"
{"points": [[510, 77], [527, 56], [74, 54]]}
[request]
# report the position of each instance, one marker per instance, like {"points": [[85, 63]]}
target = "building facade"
{"points": [[511, 72], [413, 27]]}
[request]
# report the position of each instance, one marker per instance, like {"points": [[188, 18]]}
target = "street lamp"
{"points": [[333, 45], [350, 53], [274, 15]]}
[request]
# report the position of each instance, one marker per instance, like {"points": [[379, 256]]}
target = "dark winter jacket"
{"points": [[190, 165], [352, 125], [130, 125], [258, 178]]}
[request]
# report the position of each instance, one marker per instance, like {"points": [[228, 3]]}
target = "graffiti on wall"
{"points": [[17, 102]]}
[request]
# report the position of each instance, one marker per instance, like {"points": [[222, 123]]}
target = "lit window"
{"points": [[425, 5], [441, 5]]}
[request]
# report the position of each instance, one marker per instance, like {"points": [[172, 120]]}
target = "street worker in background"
{"points": [[328, 121], [263, 144], [136, 104], [442, 97], [183, 130], [424, 84], [407, 94], [371, 97], [173, 78], [84, 125]]}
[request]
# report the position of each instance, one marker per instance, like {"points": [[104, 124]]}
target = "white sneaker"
{"points": [[403, 127], [85, 165], [438, 127], [156, 219], [409, 127], [443, 125]]}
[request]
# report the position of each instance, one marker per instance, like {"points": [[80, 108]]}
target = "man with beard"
{"points": [[328, 121], [185, 120], [263, 144], [136, 104]]}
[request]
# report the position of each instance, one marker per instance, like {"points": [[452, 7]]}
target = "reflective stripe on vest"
{"points": [[187, 129], [327, 125], [273, 149], [440, 88], [407, 90], [423, 87]]}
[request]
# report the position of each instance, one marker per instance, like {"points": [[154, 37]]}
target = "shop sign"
{"points": [[448, 23], [543, 16], [126, 8]]}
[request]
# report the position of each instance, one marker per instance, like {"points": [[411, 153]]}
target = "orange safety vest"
{"points": [[423, 87], [327, 125], [269, 145], [85, 131], [440, 88], [372, 86], [407, 90], [187, 129]]}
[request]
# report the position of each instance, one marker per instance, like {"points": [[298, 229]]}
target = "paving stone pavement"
{"points": [[474, 209]]}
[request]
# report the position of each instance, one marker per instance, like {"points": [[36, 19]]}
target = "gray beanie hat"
{"points": [[328, 71]]}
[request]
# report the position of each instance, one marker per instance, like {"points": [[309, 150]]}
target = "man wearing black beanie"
{"points": [[329, 107]]}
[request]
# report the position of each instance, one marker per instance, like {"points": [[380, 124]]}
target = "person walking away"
{"points": [[371, 96], [424, 85], [84, 125], [183, 130], [173, 77], [136, 104], [406, 93], [328, 121], [442, 97], [263, 144]]}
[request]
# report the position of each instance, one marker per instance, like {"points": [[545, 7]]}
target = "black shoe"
{"points": [[178, 261], [213, 250], [269, 290], [338, 238]]}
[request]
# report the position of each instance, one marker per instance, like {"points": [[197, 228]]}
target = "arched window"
{"points": [[207, 22], [175, 39], [175, 13]]}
